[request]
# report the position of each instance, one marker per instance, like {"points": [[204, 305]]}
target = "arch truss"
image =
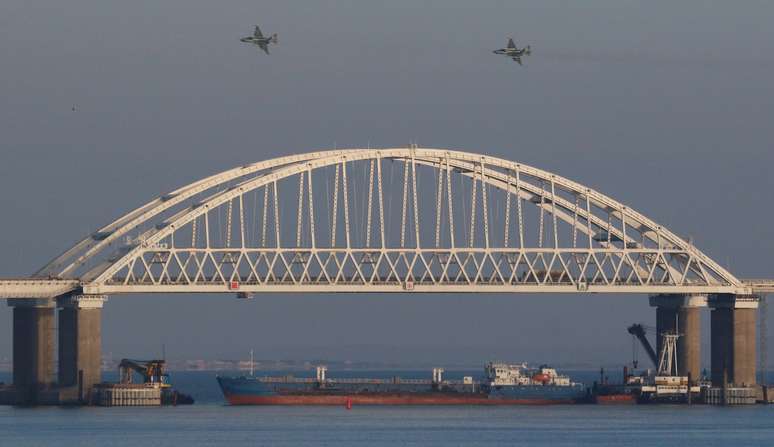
{"points": [[428, 220]]}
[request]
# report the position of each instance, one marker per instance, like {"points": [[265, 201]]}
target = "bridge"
{"points": [[407, 220]]}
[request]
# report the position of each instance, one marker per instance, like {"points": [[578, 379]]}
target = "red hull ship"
{"points": [[504, 385]]}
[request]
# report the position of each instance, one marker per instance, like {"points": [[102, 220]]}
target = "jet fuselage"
{"points": [[512, 52]]}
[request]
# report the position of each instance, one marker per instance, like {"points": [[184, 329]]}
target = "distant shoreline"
{"points": [[333, 366]]}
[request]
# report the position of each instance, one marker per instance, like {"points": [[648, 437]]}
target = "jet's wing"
{"points": [[264, 46], [517, 59], [257, 32], [510, 42]]}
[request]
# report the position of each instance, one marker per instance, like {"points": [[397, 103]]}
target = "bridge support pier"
{"points": [[733, 339], [681, 313], [33, 349], [80, 346]]}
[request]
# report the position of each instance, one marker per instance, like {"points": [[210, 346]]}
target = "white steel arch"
{"points": [[461, 222], [79, 253]]}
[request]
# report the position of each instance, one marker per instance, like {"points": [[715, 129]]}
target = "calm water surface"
{"points": [[210, 422]]}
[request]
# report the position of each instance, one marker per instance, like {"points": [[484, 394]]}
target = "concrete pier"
{"points": [[33, 348], [681, 313], [80, 346], [733, 339]]}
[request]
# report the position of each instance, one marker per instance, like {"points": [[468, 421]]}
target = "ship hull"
{"points": [[250, 391], [615, 399], [615, 394], [359, 399]]}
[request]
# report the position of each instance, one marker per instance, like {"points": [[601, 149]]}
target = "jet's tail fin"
{"points": [[510, 43], [528, 50], [274, 38]]}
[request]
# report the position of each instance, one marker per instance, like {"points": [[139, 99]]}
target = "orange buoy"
{"points": [[349, 403]]}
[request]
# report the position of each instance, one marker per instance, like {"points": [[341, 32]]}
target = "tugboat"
{"points": [[627, 392]]}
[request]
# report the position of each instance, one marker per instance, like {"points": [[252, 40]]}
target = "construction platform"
{"points": [[135, 395], [730, 396]]}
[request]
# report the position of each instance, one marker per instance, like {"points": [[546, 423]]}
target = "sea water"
{"points": [[212, 422]]}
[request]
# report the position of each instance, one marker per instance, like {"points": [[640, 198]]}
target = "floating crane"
{"points": [[638, 331], [155, 388], [152, 371]]}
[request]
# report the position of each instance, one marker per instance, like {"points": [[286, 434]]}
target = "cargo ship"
{"points": [[502, 384]]}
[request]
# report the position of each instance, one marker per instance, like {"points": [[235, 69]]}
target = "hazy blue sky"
{"points": [[666, 106]]}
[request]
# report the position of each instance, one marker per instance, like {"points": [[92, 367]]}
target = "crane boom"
{"points": [[638, 331]]}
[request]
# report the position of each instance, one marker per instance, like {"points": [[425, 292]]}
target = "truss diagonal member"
{"points": [[558, 207], [495, 170], [75, 256]]}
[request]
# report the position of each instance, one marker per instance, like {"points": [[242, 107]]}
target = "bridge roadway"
{"points": [[37, 287], [21, 288], [405, 220]]}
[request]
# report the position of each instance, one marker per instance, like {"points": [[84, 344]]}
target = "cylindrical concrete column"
{"points": [[33, 347], [80, 345], [721, 327], [689, 345], [733, 339], [744, 347]]}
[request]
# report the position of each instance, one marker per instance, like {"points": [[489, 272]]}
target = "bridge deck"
{"points": [[761, 286], [50, 288], [36, 287]]}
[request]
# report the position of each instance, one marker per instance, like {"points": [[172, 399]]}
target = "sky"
{"points": [[665, 106]]}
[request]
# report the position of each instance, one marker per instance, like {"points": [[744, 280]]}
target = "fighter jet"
{"points": [[514, 52], [258, 39]]}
